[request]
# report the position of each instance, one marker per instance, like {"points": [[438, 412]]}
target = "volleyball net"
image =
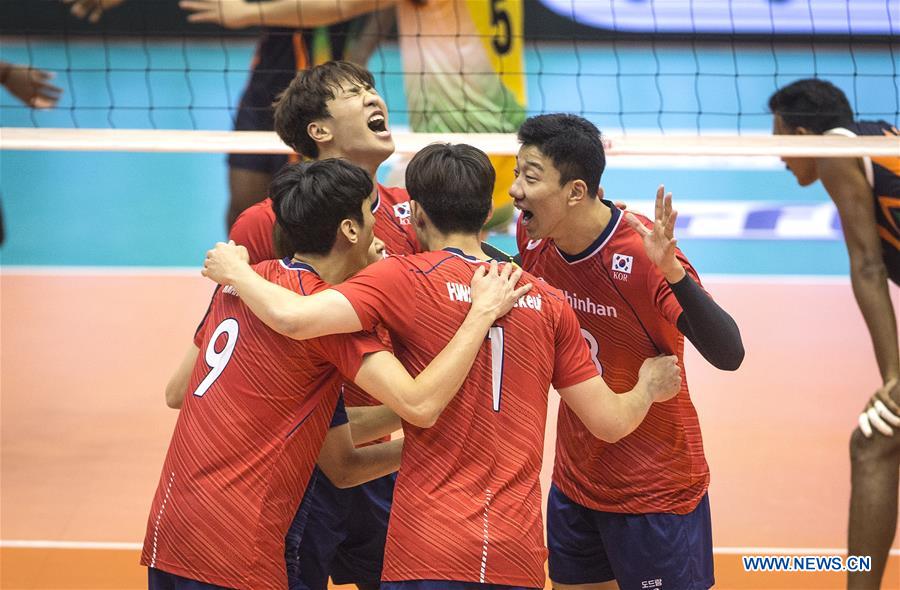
{"points": [[663, 77]]}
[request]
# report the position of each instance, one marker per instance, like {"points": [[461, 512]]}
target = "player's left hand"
{"points": [[494, 291], [31, 86], [232, 14], [660, 242], [224, 261], [882, 412]]}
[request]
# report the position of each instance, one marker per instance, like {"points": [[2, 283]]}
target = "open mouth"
{"points": [[525, 215], [377, 124]]}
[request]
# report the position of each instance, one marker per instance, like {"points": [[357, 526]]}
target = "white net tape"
{"points": [[46, 139]]}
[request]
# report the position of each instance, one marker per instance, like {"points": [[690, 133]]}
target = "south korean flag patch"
{"points": [[622, 263], [402, 212]]}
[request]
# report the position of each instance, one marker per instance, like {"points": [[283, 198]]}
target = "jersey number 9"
{"points": [[218, 360]]}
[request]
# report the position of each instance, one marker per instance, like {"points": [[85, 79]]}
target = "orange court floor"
{"points": [[86, 354]]}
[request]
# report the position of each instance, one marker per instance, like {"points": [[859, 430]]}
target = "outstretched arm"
{"points": [[286, 312], [299, 14], [610, 416], [847, 186], [421, 400], [710, 328]]}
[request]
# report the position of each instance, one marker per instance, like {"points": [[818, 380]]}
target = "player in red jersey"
{"points": [[866, 193], [247, 436], [466, 510], [615, 509], [333, 111]]}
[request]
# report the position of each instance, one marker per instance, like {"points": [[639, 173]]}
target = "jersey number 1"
{"points": [[218, 360], [495, 335]]}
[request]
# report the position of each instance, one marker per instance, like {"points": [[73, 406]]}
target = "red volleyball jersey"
{"points": [[253, 229], [467, 503], [246, 440], [627, 313]]}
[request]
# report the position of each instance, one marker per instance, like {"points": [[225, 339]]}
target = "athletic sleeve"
{"points": [[346, 351], [384, 292], [253, 230], [573, 364], [663, 297]]}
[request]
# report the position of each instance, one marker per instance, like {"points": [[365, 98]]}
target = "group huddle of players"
{"points": [[392, 290], [604, 291]]}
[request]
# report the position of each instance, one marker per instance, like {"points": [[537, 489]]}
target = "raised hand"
{"points": [[231, 14], [91, 10], [494, 291], [660, 242], [30, 85]]}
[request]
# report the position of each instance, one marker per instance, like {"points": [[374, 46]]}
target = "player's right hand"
{"points": [[224, 261], [662, 376], [92, 10], [233, 14], [494, 291], [882, 412]]}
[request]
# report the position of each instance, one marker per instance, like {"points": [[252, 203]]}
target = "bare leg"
{"points": [[875, 475], [247, 187]]}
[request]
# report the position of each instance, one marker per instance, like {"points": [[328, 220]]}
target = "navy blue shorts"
{"points": [[446, 585], [657, 551], [343, 534], [160, 580]]}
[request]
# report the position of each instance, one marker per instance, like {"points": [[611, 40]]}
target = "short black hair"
{"points": [[311, 199], [814, 104], [454, 184], [572, 143], [306, 97]]}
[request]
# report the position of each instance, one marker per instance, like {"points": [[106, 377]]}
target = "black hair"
{"points": [[454, 184], [816, 105], [311, 199], [306, 97], [573, 145]]}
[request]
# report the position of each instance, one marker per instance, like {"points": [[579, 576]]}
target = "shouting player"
{"points": [[463, 60], [260, 404], [866, 192], [466, 510], [615, 509], [333, 111]]}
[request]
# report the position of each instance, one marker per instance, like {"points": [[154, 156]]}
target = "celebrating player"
{"points": [[467, 503], [463, 60], [333, 111], [866, 192], [248, 434], [614, 509]]}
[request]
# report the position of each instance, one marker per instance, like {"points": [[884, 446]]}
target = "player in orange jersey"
{"points": [[866, 192], [466, 510]]}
